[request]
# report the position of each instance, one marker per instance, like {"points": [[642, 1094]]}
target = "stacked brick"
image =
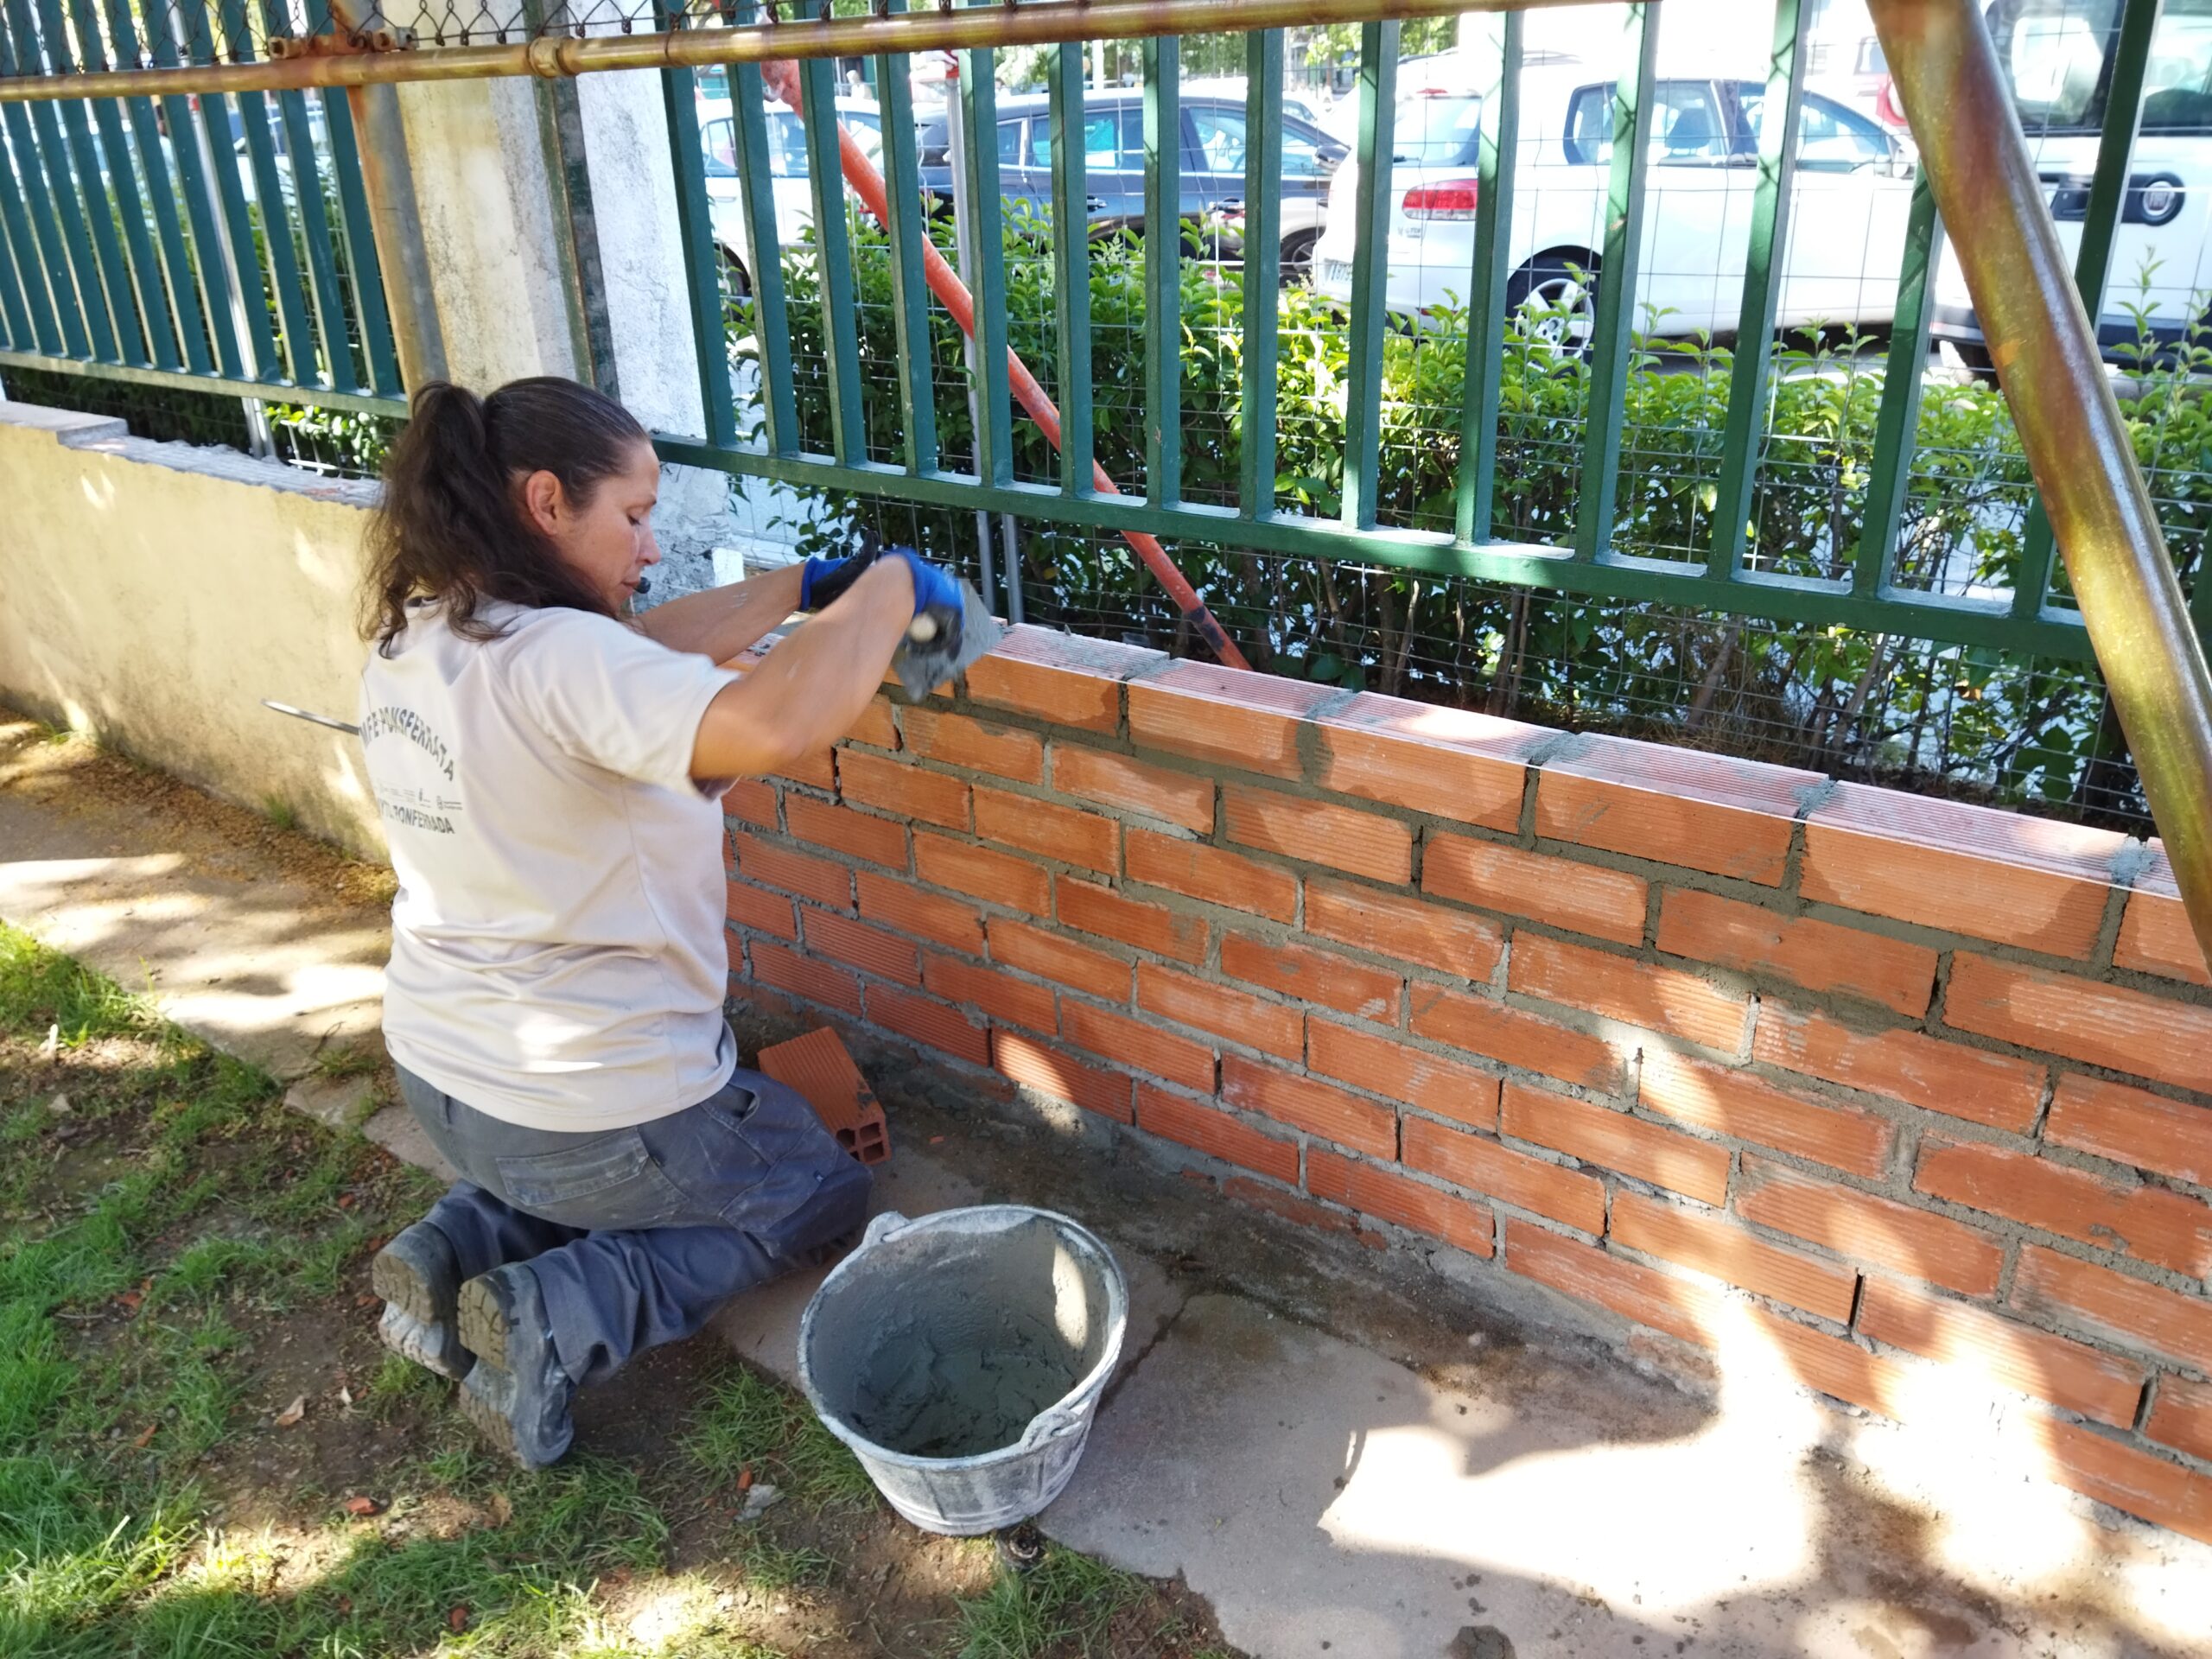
{"points": [[1695, 1041]]}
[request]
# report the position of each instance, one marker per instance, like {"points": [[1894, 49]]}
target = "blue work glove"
{"points": [[935, 594], [824, 581]]}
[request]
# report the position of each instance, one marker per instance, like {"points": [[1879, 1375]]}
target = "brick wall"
{"points": [[1901, 1082]]}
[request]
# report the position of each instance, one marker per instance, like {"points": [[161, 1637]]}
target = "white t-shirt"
{"points": [[556, 945]]}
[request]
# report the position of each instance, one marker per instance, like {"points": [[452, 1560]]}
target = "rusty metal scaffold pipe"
{"points": [[964, 28], [1946, 74]]}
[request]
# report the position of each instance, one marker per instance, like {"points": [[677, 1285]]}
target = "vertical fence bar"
{"points": [[904, 232], [1770, 204], [64, 206], [1162, 71], [362, 266], [159, 339], [185, 130], [252, 298], [995, 424], [1615, 323], [1874, 566], [1497, 158], [772, 334], [338, 372], [168, 227], [1370, 276], [1071, 265], [2093, 263], [1255, 457], [703, 258], [14, 316], [298, 334], [817, 92], [92, 187], [16, 180]]}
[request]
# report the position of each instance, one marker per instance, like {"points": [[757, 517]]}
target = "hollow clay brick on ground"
{"points": [[818, 1066]]}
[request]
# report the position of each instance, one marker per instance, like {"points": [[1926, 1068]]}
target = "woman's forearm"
{"points": [[723, 621]]}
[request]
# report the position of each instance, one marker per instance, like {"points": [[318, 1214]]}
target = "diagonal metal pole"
{"points": [[1945, 68]]}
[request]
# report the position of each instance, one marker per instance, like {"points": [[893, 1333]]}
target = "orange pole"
{"points": [[782, 79]]}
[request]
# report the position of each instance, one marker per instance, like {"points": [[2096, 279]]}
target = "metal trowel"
{"points": [[941, 644]]}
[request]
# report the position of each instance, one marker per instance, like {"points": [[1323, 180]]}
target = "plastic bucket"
{"points": [[961, 1355]]}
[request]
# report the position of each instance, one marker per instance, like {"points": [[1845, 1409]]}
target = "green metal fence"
{"points": [[1858, 573], [217, 241]]}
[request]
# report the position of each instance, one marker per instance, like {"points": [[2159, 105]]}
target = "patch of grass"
{"points": [[40, 990], [772, 1566], [1067, 1598], [336, 1064], [280, 812], [747, 1420]]}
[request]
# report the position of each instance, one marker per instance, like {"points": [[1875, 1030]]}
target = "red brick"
{"points": [[2181, 1416], [1613, 1139], [1108, 779], [2059, 1013], [1819, 956], [1139, 1045], [754, 802], [875, 727], [1390, 1066], [1880, 1231], [1343, 837], [2151, 1223], [1006, 999], [1484, 1025], [1725, 1102], [1454, 763], [817, 981], [1249, 721], [1926, 1071], [924, 1020], [1058, 676], [880, 841], [1581, 898], [1833, 1365], [982, 873], [1271, 1027], [2143, 1484], [1199, 871], [925, 915], [1388, 1196], [1090, 908], [1681, 1307], [2131, 1127], [1483, 1166], [1064, 962], [1311, 976], [2108, 1304], [1317, 1108], [800, 873], [895, 786], [1291, 1207], [817, 771], [1703, 811], [1658, 998], [1048, 830], [1215, 1133], [1712, 1245], [2012, 1355], [2155, 937], [765, 912], [2033, 882], [1048, 1071], [858, 945], [1411, 930], [980, 746]]}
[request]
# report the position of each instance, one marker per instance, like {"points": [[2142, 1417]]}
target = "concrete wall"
{"points": [[1915, 1097], [154, 593]]}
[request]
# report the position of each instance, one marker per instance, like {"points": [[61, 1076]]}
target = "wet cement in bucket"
{"points": [[949, 1345]]}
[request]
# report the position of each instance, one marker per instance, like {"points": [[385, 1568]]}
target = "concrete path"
{"points": [[1437, 1489]]}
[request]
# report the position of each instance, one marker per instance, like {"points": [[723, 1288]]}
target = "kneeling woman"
{"points": [[549, 774]]}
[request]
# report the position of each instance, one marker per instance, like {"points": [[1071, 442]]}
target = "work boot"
{"points": [[518, 1393], [420, 1281]]}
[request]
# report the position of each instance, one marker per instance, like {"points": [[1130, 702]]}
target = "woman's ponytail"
{"points": [[451, 526]]}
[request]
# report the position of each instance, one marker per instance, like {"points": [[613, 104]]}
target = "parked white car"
{"points": [[789, 181], [1847, 218], [2054, 55]]}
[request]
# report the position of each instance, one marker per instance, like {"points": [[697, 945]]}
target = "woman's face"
{"points": [[609, 540]]}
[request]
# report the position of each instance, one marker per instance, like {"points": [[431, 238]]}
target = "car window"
{"points": [[786, 145], [1301, 156], [718, 141], [1221, 138], [2052, 54], [1438, 129], [1010, 141], [1828, 135], [2177, 88], [1113, 140], [1686, 125]]}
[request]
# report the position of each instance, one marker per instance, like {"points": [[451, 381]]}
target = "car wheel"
{"points": [[1296, 267], [736, 285], [1555, 302]]}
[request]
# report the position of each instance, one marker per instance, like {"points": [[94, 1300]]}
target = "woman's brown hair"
{"points": [[451, 526]]}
